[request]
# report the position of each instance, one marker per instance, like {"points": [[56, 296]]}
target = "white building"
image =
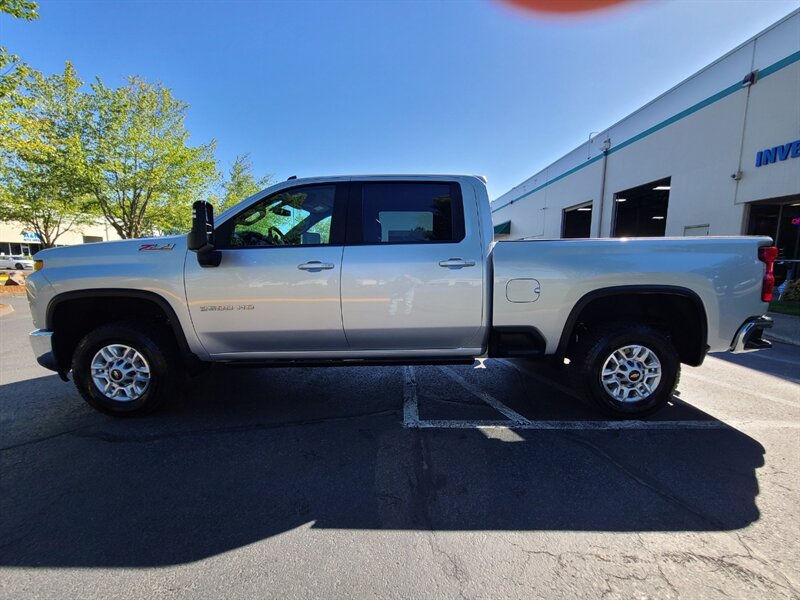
{"points": [[718, 154], [15, 238]]}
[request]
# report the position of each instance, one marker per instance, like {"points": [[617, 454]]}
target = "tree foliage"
{"points": [[39, 139], [241, 182], [12, 70], [21, 9], [69, 155], [136, 162]]}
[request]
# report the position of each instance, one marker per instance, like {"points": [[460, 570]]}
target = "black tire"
{"points": [[599, 343], [153, 343], [19, 267]]}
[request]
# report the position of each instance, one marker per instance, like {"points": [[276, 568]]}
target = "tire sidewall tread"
{"points": [[597, 345], [155, 344]]}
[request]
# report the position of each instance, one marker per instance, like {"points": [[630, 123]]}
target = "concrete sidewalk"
{"points": [[786, 329]]}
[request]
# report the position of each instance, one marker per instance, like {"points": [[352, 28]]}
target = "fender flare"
{"points": [[673, 290], [160, 301]]}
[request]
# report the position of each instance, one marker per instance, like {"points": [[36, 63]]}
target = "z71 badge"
{"points": [[151, 247]]}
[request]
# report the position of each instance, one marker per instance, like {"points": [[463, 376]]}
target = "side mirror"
{"points": [[201, 237]]}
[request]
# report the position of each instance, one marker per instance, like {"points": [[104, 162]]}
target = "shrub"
{"points": [[792, 291]]}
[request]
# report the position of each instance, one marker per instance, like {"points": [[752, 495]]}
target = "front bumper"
{"points": [[748, 338], [42, 344]]}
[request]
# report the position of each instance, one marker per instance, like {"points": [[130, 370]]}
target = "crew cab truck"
{"points": [[390, 270]]}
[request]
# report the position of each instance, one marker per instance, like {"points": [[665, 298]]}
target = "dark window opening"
{"points": [[576, 222], [642, 211], [395, 212], [779, 219]]}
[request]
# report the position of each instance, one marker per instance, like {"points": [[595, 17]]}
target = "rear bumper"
{"points": [[42, 344], [748, 338]]}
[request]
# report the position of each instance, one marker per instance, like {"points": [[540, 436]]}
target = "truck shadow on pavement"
{"points": [[784, 367], [250, 454]]}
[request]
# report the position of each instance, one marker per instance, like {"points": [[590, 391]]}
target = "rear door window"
{"points": [[410, 212]]}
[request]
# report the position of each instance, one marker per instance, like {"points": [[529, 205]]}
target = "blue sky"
{"points": [[315, 88]]}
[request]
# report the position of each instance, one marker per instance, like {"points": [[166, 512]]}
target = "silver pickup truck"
{"points": [[390, 270]]}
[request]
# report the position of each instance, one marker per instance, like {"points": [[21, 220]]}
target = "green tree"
{"points": [[240, 183], [136, 161], [39, 143], [21, 9], [12, 70]]}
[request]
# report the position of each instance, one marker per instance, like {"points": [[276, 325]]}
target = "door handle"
{"points": [[315, 266], [456, 263]]}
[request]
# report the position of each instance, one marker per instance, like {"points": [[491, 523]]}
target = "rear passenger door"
{"points": [[412, 269]]}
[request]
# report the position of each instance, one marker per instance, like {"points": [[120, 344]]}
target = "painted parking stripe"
{"points": [[504, 410], [410, 406], [608, 425], [517, 421]]}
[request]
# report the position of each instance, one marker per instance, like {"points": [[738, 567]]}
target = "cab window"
{"points": [[294, 217]]}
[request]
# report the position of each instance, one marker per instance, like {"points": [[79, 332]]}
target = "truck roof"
{"points": [[384, 176]]}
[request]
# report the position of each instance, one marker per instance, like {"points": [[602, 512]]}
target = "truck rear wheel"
{"points": [[126, 369], [628, 369]]}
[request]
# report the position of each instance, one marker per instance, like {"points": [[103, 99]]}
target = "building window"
{"points": [[642, 211], [92, 239], [779, 219], [576, 222]]}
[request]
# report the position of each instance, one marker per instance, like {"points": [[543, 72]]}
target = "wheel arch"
{"points": [[682, 305], [70, 315]]}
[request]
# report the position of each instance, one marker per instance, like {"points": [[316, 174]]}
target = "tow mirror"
{"points": [[201, 237]]}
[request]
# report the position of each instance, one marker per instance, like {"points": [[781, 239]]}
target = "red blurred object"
{"points": [[563, 6], [767, 255]]}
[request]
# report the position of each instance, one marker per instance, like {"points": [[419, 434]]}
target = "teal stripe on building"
{"points": [[763, 73]]}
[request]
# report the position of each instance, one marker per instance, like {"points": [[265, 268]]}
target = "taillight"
{"points": [[767, 255]]}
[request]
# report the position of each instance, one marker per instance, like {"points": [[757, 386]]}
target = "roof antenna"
{"points": [[292, 177]]}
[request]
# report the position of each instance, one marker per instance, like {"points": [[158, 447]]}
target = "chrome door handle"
{"points": [[456, 263], [315, 266]]}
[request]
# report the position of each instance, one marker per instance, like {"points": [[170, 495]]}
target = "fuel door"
{"points": [[523, 290]]}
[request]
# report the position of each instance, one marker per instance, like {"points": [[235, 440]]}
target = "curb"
{"points": [[6, 309], [786, 329]]}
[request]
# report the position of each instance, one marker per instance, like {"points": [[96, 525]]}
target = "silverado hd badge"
{"points": [[223, 307]]}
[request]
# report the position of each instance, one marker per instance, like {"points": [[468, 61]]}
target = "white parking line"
{"points": [[410, 407], [513, 415], [574, 425], [607, 425], [517, 421]]}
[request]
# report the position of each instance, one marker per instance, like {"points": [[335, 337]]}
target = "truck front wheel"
{"points": [[126, 369], [628, 369]]}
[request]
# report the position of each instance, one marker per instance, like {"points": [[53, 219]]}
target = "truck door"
{"points": [[412, 274], [277, 287]]}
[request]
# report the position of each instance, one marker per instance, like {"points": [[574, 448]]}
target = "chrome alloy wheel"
{"points": [[120, 372], [631, 373]]}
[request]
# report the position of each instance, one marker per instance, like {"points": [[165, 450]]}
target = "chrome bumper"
{"points": [[748, 338], [42, 344]]}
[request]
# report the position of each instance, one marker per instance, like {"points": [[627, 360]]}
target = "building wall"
{"points": [[17, 234], [699, 133]]}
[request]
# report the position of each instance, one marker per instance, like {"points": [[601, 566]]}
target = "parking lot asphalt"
{"points": [[491, 480]]}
